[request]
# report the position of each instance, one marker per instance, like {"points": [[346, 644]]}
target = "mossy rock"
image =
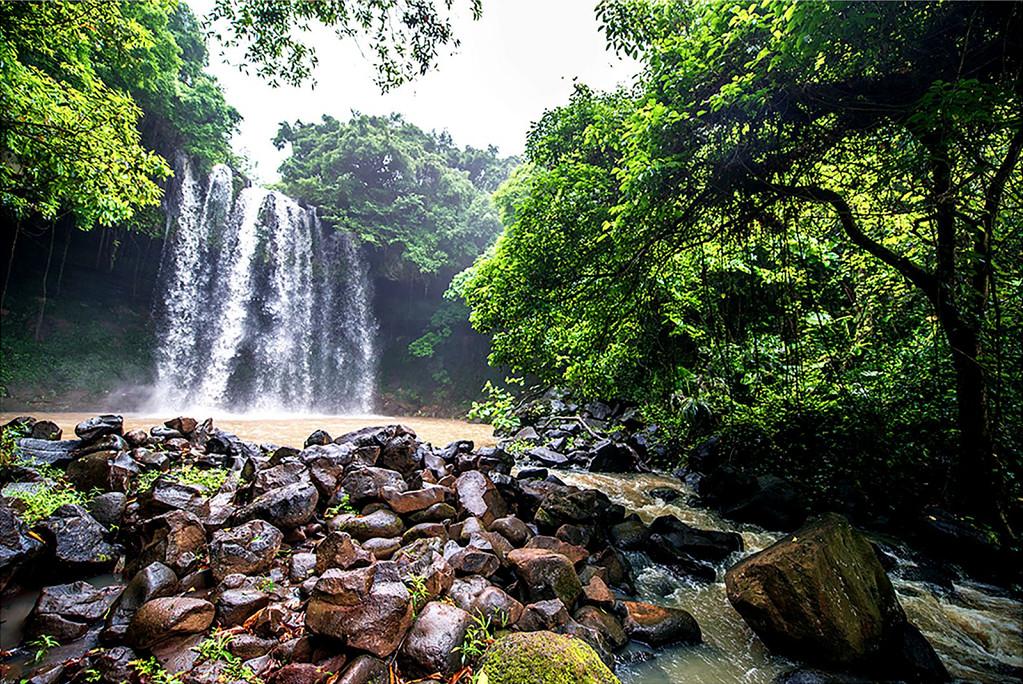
{"points": [[544, 658]]}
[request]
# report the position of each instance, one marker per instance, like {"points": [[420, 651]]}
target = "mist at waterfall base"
{"points": [[260, 308]]}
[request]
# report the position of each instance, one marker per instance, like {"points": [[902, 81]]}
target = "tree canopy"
{"points": [[423, 201], [806, 203]]}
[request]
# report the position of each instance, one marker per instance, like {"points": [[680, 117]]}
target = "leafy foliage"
{"points": [[802, 215], [403, 36], [499, 407], [210, 480], [397, 187]]}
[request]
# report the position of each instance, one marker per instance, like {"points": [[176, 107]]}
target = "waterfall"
{"points": [[260, 307]]}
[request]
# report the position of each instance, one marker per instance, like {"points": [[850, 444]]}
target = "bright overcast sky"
{"points": [[519, 59]]}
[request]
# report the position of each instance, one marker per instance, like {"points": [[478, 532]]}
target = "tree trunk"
{"points": [[46, 276], [63, 258], [979, 474], [10, 264]]}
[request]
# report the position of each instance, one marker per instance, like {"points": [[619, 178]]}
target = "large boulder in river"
{"points": [[66, 611], [821, 595], [659, 625], [544, 658], [546, 575], [289, 506]]}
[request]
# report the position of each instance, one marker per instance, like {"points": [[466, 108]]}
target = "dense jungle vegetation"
{"points": [[801, 229]]}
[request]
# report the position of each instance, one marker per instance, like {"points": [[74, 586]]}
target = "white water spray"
{"points": [[262, 308]]}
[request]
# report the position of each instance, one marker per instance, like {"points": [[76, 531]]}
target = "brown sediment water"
{"points": [[291, 430]]}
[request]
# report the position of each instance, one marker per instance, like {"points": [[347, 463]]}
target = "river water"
{"points": [[976, 629]]}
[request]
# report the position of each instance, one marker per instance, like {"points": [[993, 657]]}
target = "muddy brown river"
{"points": [[976, 629]]}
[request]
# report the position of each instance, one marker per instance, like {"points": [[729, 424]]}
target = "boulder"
{"points": [[39, 452], [92, 429], [318, 438], [46, 429], [153, 581], [173, 616], [77, 540], [286, 507], [16, 546], [433, 642], [365, 669], [541, 615], [821, 595], [66, 611], [546, 575], [658, 625], [337, 550], [544, 658], [365, 485], [369, 615], [496, 605], [177, 539], [512, 529], [605, 624], [478, 496], [676, 538], [405, 502], [236, 599], [381, 523], [247, 549]]}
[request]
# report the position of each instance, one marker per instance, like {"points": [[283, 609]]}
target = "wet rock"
{"points": [[547, 457], [299, 673], [46, 452], [365, 669], [775, 503], [337, 550], [478, 496], [91, 429], [472, 561], [604, 623], [114, 664], [366, 485], [811, 676], [563, 505], [183, 424], [597, 592], [303, 566], [546, 575], [631, 534], [153, 581], [236, 599], [170, 495], [512, 529], [382, 523], [786, 593], [425, 531], [496, 605], [318, 438], [399, 454], [46, 429], [382, 548], [288, 473], [542, 615], [432, 643], [163, 618], [108, 508], [370, 616], [77, 540], [247, 549], [414, 500], [66, 611], [438, 512], [613, 457], [576, 554], [285, 507], [176, 539], [16, 546], [659, 625], [544, 658], [465, 590]]}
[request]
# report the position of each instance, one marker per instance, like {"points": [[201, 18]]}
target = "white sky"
{"points": [[519, 59]]}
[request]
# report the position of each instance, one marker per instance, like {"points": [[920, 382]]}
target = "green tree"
{"points": [[69, 140], [791, 181], [404, 36], [394, 185]]}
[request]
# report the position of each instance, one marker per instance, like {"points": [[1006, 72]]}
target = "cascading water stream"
{"points": [[263, 308]]}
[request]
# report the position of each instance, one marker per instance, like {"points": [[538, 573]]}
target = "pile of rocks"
{"points": [[355, 557], [557, 432]]}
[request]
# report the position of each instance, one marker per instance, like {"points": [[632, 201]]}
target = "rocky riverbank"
{"points": [[374, 557]]}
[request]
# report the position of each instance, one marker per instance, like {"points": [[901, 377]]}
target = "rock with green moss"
{"points": [[544, 658]]}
